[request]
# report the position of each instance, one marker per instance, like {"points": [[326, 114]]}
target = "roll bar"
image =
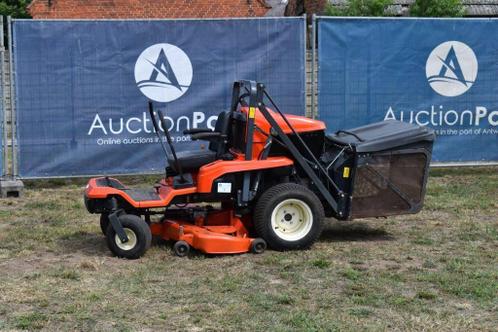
{"points": [[256, 93]]}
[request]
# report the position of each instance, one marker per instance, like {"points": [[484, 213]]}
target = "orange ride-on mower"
{"points": [[266, 179]]}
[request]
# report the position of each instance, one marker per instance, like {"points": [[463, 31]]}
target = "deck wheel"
{"points": [[181, 248], [258, 246]]}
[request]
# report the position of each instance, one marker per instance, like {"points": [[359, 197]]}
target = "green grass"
{"points": [[321, 263], [434, 271], [32, 321]]}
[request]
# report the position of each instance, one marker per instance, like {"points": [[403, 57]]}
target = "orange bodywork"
{"points": [[166, 193], [220, 233], [300, 124], [205, 177], [208, 173], [217, 232]]}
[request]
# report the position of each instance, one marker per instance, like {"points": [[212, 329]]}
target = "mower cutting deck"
{"points": [[266, 178]]}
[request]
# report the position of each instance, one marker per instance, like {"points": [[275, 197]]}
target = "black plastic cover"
{"points": [[382, 135], [192, 160], [143, 195]]}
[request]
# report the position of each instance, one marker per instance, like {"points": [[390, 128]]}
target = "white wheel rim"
{"points": [[132, 240], [291, 219]]}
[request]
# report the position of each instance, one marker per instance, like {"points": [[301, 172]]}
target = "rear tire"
{"points": [[139, 237], [289, 216]]}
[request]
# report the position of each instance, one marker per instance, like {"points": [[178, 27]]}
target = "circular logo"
{"points": [[451, 68], [163, 72]]}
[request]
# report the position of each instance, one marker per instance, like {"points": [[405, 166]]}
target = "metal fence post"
{"points": [[305, 64], [13, 121], [313, 59], [9, 186], [5, 159]]}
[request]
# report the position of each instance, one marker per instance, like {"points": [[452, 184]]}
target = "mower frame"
{"points": [[229, 229], [221, 231]]}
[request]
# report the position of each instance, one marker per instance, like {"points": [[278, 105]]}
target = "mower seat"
{"points": [[192, 160]]}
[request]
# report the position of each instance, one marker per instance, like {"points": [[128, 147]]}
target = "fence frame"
{"points": [[5, 160], [13, 118], [315, 32], [11, 45], [314, 81], [13, 164]]}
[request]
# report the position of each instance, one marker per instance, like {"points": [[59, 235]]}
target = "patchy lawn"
{"points": [[437, 270]]}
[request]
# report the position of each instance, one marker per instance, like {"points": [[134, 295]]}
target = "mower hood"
{"points": [[299, 123]]}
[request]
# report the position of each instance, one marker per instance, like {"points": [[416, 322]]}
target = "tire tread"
{"points": [[264, 207], [129, 220]]}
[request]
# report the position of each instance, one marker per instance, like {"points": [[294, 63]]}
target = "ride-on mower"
{"points": [[265, 179]]}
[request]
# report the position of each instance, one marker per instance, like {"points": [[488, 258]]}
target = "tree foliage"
{"points": [[360, 8], [437, 8], [14, 8]]}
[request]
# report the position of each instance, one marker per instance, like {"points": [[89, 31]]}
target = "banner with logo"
{"points": [[82, 86], [441, 73]]}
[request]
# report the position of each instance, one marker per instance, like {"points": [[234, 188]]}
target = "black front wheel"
{"points": [[289, 216], [104, 223], [139, 237]]}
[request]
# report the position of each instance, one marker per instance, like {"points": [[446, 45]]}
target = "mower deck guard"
{"points": [[388, 164]]}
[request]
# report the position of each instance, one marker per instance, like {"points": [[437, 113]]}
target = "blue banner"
{"points": [[82, 86], [441, 73]]}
